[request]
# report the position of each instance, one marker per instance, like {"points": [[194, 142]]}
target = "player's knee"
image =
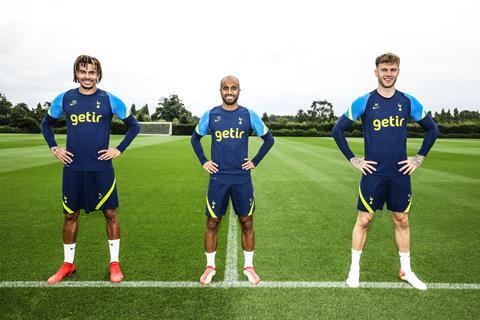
{"points": [[364, 220], [110, 214], [247, 223], [71, 217], [400, 220], [212, 225]]}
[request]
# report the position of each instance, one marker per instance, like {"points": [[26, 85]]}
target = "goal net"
{"points": [[159, 128]]}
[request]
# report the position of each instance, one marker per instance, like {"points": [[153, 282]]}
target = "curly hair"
{"points": [[83, 60]]}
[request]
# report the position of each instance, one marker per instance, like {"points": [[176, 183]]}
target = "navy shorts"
{"points": [[89, 190], [374, 191], [218, 195]]}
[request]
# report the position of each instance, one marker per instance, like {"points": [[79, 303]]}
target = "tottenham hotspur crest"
{"points": [[399, 107], [240, 120], [98, 104]]}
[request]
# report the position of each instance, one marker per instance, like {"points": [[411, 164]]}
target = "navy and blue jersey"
{"points": [[384, 122], [230, 131], [88, 120]]}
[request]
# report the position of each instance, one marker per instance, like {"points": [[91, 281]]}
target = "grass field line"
{"points": [[231, 264], [232, 284]]}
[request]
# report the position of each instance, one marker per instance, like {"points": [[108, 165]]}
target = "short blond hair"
{"points": [[389, 58]]}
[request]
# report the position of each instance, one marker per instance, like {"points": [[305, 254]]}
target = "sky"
{"points": [[285, 53]]}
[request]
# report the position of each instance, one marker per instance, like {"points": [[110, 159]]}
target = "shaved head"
{"points": [[230, 78], [230, 90]]}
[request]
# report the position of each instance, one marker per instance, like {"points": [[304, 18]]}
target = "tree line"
{"points": [[21, 118], [318, 116]]}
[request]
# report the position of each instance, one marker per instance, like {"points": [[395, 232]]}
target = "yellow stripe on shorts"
{"points": [[105, 197], [69, 211], [251, 207], [210, 210], [409, 204], [365, 203]]}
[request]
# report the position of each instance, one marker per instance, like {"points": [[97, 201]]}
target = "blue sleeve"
{"points": [[357, 108], [133, 130], [266, 146], [47, 130], [56, 109], [203, 124], [338, 134], [431, 134], [197, 147], [118, 107], [417, 112], [257, 124]]}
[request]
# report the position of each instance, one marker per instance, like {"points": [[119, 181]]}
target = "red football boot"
{"points": [[207, 275], [116, 274], [252, 276], [65, 270]]}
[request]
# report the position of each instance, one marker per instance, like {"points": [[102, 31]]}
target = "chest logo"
{"points": [[229, 134], [375, 106], [399, 107], [74, 102], [85, 117], [218, 118], [98, 104], [392, 121], [240, 120]]}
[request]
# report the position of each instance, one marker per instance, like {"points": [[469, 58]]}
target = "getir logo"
{"points": [[85, 117], [229, 134], [378, 124]]}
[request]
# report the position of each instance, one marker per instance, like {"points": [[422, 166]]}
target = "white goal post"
{"points": [[156, 128]]}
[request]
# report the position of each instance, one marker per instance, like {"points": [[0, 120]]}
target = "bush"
{"points": [[183, 129], [118, 127], [8, 129], [28, 124]]}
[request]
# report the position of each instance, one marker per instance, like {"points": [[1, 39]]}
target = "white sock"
{"points": [[248, 258], [356, 254], [405, 261], [69, 252], [211, 258], [114, 246]]}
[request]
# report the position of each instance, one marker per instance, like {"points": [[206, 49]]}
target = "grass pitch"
{"points": [[306, 198]]}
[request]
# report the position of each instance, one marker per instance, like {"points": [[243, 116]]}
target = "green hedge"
{"points": [[465, 130], [462, 130], [324, 130], [183, 129], [7, 129]]}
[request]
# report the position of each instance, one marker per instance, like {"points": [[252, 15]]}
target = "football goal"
{"points": [[158, 128]]}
